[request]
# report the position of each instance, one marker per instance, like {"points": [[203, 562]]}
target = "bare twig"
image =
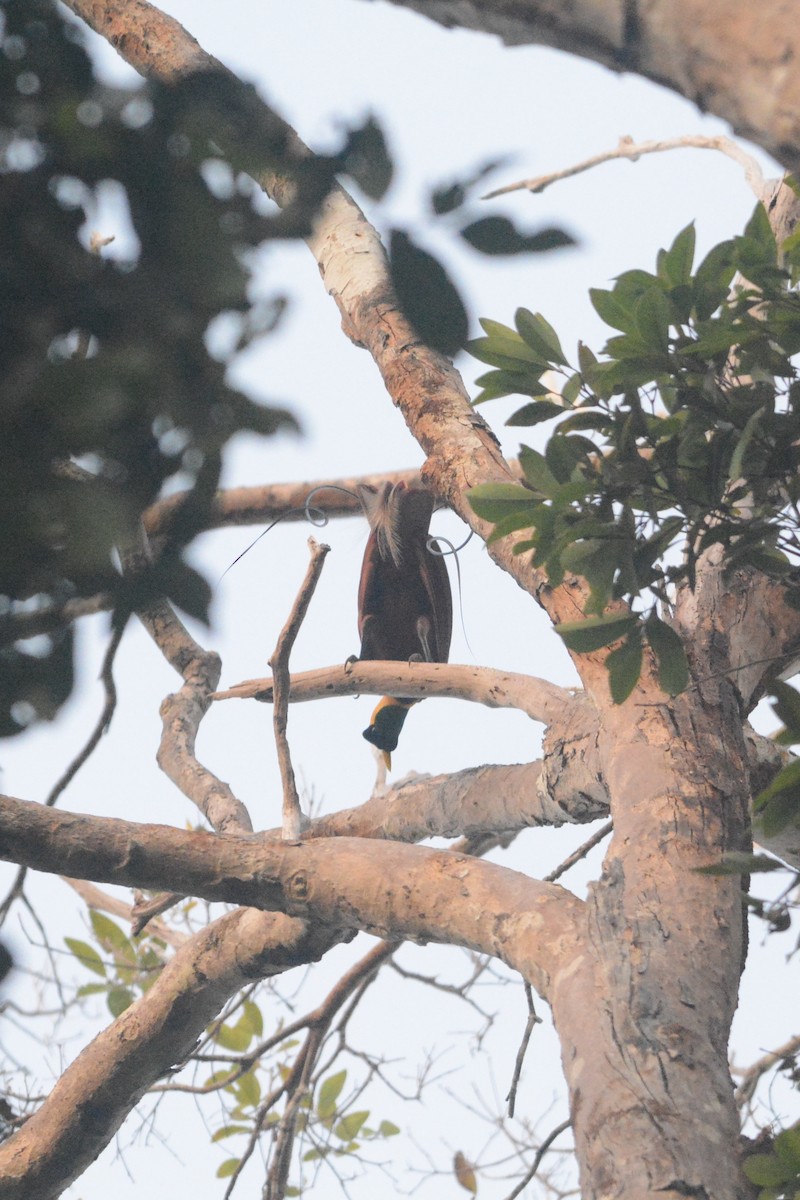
{"points": [[103, 722], [95, 897], [533, 1019], [296, 1085], [580, 853], [146, 908], [629, 149], [540, 1153], [751, 1076], [279, 662]]}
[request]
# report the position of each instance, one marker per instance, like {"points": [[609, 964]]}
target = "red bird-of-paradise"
{"points": [[405, 610]]}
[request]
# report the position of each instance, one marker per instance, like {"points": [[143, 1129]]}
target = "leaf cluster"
{"points": [[777, 1173], [684, 434], [126, 967], [105, 362], [332, 1127]]}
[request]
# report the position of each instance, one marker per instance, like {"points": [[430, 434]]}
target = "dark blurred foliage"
{"points": [[107, 389]]}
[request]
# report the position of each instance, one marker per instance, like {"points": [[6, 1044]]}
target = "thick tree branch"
{"points": [[734, 59], [541, 700], [264, 503], [95, 1094], [395, 891], [496, 799]]}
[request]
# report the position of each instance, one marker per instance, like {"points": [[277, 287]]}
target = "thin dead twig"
{"points": [[533, 1019], [279, 662], [296, 1084], [580, 853], [751, 1076], [102, 724], [540, 1153], [627, 148]]}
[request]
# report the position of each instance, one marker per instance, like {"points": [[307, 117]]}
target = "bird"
{"points": [[405, 609]]}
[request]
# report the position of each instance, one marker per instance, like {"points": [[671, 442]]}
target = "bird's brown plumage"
{"points": [[405, 609]]}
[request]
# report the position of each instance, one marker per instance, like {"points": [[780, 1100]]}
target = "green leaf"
{"points": [[610, 310], [765, 1170], [596, 560], [779, 812], [110, 935], [572, 389], [586, 357], [349, 1126], [229, 1131], [92, 989], [227, 1168], [540, 336], [625, 666], [787, 707], [595, 632], [499, 235], [666, 644], [562, 455], [494, 501], [86, 955], [676, 264], [759, 231], [248, 1090], [252, 1018], [521, 519], [653, 319], [535, 413], [737, 458], [787, 1148], [388, 1129], [329, 1093], [537, 471], [504, 350], [118, 1000], [713, 279], [233, 1037], [737, 862], [512, 383]]}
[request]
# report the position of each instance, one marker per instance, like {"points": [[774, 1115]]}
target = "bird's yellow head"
{"points": [[385, 725]]}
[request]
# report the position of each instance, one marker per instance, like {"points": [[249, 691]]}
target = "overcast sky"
{"points": [[447, 101]]}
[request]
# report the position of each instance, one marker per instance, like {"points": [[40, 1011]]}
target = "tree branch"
{"points": [[541, 700], [490, 799], [108, 1078], [395, 891], [728, 58], [462, 450], [627, 148]]}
